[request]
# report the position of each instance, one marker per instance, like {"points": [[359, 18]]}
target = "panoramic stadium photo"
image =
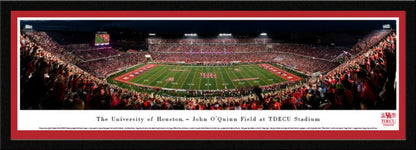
{"points": [[207, 64]]}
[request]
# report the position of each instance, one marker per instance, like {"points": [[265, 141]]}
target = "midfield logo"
{"points": [[170, 79], [208, 75]]}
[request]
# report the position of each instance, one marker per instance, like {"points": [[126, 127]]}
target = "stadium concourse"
{"points": [[55, 78]]}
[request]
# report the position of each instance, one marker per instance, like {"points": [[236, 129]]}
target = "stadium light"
{"points": [[263, 34], [152, 34], [225, 34]]}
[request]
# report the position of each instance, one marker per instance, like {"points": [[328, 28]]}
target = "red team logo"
{"points": [[170, 79], [388, 119]]}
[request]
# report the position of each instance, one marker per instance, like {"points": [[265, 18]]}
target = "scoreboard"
{"points": [[102, 39]]}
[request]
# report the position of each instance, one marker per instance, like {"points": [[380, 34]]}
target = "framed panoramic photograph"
{"points": [[161, 75]]}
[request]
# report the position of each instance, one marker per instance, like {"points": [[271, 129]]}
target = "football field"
{"points": [[201, 77]]}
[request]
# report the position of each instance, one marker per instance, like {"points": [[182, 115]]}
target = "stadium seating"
{"points": [[94, 53], [323, 52], [102, 67]]}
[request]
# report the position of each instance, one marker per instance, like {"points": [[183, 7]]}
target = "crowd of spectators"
{"points": [[301, 57], [206, 48], [324, 52], [369, 40], [305, 64], [102, 67], [53, 47], [370, 78], [207, 58], [50, 82], [300, 63], [224, 41]]}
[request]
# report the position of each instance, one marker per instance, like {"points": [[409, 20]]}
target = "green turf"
{"points": [[193, 80]]}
